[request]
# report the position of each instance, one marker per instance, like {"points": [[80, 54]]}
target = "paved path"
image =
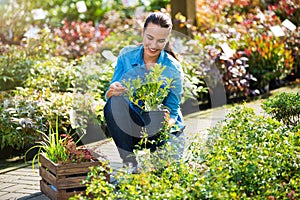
{"points": [[23, 183]]}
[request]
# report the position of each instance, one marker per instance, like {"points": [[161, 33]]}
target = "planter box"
{"points": [[61, 181]]}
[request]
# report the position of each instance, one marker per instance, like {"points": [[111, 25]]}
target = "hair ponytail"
{"points": [[169, 50]]}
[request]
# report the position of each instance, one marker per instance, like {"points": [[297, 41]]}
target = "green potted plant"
{"points": [[63, 164], [148, 93]]}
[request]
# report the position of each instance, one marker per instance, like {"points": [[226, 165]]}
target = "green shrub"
{"points": [[245, 157], [26, 110], [56, 73], [17, 61], [160, 179], [251, 157], [51, 105], [175, 182], [149, 92], [15, 64], [157, 4], [72, 90], [15, 19], [18, 122], [57, 11], [93, 74], [284, 107]]}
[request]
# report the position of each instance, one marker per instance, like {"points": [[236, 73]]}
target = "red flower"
{"points": [[247, 52]]}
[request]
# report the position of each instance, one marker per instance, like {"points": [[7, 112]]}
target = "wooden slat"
{"points": [[67, 169], [47, 190], [60, 194], [48, 163], [75, 168], [64, 195], [70, 182], [50, 178]]}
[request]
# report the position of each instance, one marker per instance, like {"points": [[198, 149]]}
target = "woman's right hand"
{"points": [[116, 89]]}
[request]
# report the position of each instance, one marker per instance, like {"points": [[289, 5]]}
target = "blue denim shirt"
{"points": [[130, 64]]}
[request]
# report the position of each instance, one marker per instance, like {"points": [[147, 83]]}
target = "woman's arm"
{"points": [[115, 89]]}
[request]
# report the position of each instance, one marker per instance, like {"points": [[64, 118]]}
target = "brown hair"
{"points": [[164, 21]]}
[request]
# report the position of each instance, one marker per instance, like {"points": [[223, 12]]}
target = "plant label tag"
{"points": [[277, 31], [38, 14], [131, 3], [139, 12], [289, 25], [81, 6], [109, 55], [32, 32], [227, 50]]}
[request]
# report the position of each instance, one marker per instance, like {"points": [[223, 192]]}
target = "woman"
{"points": [[123, 119]]}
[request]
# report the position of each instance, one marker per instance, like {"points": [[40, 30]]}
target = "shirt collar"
{"points": [[140, 61], [161, 56], [139, 58]]}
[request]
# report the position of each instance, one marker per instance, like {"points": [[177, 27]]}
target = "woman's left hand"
{"points": [[171, 122]]}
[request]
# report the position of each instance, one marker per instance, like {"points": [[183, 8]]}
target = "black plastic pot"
{"points": [[154, 121]]}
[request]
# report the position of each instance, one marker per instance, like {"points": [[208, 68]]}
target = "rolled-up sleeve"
{"points": [[173, 100]]}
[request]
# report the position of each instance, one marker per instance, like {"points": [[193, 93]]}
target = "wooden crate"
{"points": [[61, 181]]}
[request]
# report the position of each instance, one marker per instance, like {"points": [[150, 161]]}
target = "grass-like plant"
{"points": [[60, 148]]}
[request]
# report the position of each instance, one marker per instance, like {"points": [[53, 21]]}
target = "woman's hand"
{"points": [[115, 89], [170, 121]]}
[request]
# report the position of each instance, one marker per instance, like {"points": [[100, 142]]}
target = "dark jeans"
{"points": [[124, 122]]}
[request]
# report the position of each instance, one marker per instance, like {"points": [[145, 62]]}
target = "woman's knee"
{"points": [[114, 103]]}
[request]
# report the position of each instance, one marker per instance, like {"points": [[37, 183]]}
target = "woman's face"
{"points": [[154, 40]]}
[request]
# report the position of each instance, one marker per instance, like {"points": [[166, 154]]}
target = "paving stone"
{"points": [[5, 185], [33, 187], [10, 196], [28, 191], [2, 193], [13, 188], [5, 178], [31, 178], [26, 182], [37, 196], [23, 172]]}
